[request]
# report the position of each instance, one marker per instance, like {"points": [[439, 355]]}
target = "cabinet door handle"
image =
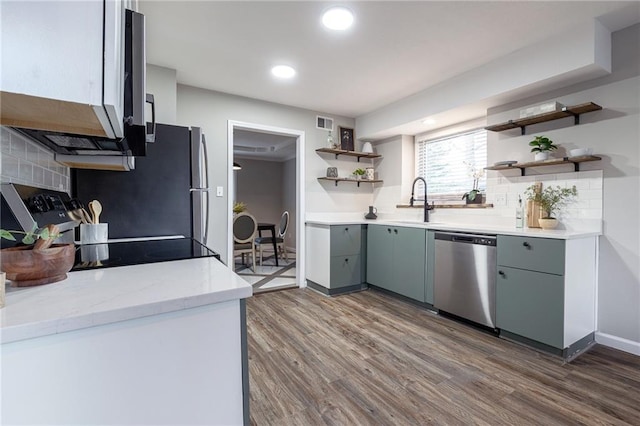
{"points": [[527, 245], [347, 260], [501, 273], [346, 229], [395, 231], [389, 230]]}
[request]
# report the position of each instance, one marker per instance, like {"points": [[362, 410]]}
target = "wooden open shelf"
{"points": [[569, 111], [357, 154], [358, 181], [551, 162]]}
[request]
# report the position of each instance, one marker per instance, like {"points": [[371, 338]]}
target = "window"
{"points": [[448, 164]]}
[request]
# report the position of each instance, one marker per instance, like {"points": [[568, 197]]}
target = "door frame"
{"points": [[300, 188]]}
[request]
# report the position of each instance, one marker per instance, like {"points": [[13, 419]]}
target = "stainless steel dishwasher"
{"points": [[465, 276]]}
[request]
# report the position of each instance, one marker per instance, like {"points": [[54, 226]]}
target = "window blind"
{"points": [[447, 164]]}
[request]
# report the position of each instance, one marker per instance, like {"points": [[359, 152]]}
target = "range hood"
{"points": [[104, 140]]}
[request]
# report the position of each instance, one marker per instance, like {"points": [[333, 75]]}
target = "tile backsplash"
{"points": [[28, 163]]}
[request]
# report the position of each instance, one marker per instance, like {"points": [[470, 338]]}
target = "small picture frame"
{"points": [[346, 139]]}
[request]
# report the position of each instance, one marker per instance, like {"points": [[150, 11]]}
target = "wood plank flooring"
{"points": [[369, 359]]}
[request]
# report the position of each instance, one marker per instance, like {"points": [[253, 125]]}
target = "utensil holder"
{"points": [[94, 233], [94, 252]]}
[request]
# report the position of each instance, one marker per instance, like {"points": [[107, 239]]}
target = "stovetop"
{"points": [[124, 253]]}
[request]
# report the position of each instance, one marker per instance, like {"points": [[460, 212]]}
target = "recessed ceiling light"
{"points": [[337, 18], [429, 121], [283, 71]]}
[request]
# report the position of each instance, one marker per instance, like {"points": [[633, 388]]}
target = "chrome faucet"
{"points": [[427, 207]]}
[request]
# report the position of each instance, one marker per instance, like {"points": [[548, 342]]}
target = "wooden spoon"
{"points": [[42, 244], [96, 209]]}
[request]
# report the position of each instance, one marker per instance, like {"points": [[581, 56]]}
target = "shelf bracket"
{"points": [[576, 167], [358, 184], [336, 183], [522, 130], [337, 156], [522, 171]]}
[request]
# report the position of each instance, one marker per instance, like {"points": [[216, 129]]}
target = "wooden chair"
{"points": [[244, 235], [281, 246]]}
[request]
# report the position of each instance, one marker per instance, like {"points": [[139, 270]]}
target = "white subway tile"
{"points": [[32, 153], [38, 175], [25, 171], [10, 165], [595, 183], [18, 147], [48, 178]]}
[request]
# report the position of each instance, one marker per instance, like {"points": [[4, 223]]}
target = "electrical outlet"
{"points": [[501, 200], [219, 191]]}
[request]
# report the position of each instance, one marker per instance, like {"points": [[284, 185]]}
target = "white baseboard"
{"points": [[618, 343]]}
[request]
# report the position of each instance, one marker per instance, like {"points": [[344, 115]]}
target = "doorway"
{"points": [[268, 180]]}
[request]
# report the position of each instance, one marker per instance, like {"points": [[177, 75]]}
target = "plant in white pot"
{"points": [[551, 200], [542, 146]]}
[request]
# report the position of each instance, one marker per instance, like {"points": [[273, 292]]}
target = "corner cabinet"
{"points": [[396, 260], [69, 77], [545, 294], [336, 257], [354, 154]]}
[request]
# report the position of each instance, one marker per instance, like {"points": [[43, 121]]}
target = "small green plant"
{"points": [[239, 207], [542, 144], [29, 237], [551, 199], [359, 172]]}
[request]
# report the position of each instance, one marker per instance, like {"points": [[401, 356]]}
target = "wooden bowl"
{"points": [[27, 267]]}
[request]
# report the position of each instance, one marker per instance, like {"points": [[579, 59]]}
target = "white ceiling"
{"points": [[263, 146], [395, 49]]}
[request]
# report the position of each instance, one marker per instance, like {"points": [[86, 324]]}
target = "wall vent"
{"points": [[324, 123]]}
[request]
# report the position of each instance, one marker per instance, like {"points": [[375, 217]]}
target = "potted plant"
{"points": [[542, 145], [38, 261], [551, 200], [359, 173], [239, 207], [474, 196]]}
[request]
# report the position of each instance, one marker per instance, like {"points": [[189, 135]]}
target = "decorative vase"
{"points": [[548, 223], [27, 267], [370, 173], [541, 156], [332, 172]]}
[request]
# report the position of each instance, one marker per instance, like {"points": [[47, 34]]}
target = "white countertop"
{"points": [[102, 296], [562, 234]]}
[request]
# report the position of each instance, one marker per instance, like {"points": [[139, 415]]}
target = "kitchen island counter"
{"points": [[102, 296], [159, 343]]}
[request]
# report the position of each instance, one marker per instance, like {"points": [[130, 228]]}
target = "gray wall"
{"points": [[268, 188], [614, 134], [212, 111]]}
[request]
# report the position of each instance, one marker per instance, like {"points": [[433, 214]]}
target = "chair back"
{"points": [[284, 224], [244, 227]]}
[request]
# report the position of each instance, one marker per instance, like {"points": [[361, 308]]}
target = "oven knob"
{"points": [[38, 204]]}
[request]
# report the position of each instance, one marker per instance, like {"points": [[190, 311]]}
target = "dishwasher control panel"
{"points": [[455, 237]]}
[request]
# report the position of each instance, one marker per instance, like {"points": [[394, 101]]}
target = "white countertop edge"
{"points": [[561, 234], [70, 323]]}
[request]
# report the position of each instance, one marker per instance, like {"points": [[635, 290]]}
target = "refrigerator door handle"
{"points": [[205, 174]]}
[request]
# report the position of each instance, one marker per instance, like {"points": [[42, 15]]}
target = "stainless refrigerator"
{"points": [[165, 195]]}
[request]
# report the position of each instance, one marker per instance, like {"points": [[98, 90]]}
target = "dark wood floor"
{"points": [[369, 359]]}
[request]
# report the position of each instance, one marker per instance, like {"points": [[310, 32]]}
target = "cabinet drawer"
{"points": [[346, 240], [534, 254], [345, 271]]}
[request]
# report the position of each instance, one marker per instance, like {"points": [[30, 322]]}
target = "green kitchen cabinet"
{"points": [[396, 260], [335, 257], [379, 256], [545, 291], [531, 304], [345, 248]]}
